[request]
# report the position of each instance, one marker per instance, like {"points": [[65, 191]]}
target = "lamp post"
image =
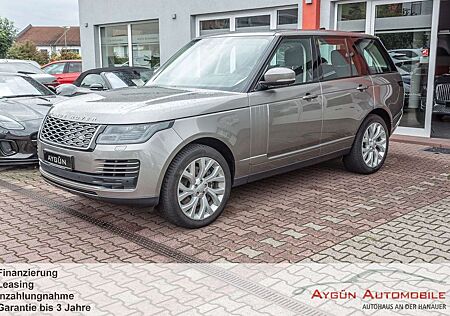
{"points": [[66, 29]]}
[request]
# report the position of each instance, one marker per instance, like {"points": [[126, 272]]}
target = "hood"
{"points": [[27, 108], [146, 105]]}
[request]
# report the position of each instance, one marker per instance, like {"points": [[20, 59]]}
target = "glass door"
{"points": [[405, 30], [408, 30]]}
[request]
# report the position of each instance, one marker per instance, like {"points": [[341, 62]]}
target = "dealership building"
{"points": [[148, 32]]}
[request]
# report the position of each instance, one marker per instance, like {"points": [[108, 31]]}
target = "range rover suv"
{"points": [[223, 111]]}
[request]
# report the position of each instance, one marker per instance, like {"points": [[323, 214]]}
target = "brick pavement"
{"points": [[321, 213]]}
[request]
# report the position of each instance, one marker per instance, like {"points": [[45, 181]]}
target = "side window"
{"points": [[295, 54], [375, 56], [54, 69], [335, 59], [74, 67], [91, 79]]}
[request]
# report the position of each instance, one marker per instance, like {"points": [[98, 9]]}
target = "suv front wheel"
{"points": [[370, 147], [196, 187]]}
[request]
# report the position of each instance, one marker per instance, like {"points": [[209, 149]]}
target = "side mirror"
{"points": [[96, 87], [279, 76], [66, 89]]}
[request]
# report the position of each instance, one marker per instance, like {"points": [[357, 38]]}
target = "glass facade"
{"points": [[144, 42], [250, 21], [217, 26], [288, 19], [253, 23], [404, 27], [405, 30], [114, 42], [440, 124], [352, 16]]}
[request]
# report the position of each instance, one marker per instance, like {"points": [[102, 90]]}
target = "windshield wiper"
{"points": [[22, 96], [26, 73]]}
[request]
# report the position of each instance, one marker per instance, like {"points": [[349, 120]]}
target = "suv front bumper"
{"points": [[101, 173]]}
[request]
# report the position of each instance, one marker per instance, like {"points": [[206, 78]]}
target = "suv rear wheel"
{"points": [[196, 187], [370, 147]]}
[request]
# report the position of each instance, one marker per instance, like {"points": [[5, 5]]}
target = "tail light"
{"points": [[425, 52]]}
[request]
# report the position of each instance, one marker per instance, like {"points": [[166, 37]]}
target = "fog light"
{"points": [[7, 148]]}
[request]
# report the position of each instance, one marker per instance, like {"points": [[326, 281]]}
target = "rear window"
{"points": [[375, 55], [74, 67], [336, 61]]}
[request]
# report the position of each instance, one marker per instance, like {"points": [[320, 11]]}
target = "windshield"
{"points": [[219, 63], [16, 86], [20, 67]]}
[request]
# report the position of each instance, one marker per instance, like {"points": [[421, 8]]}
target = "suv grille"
{"points": [[443, 92], [67, 133]]}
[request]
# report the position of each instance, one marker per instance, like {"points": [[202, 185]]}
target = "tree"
{"points": [[27, 51], [7, 35], [65, 54]]}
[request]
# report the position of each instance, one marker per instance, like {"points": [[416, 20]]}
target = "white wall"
{"points": [[174, 33]]}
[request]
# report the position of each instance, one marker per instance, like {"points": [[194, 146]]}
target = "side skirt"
{"points": [[288, 168]]}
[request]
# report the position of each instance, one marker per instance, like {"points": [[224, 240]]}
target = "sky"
{"points": [[40, 12]]}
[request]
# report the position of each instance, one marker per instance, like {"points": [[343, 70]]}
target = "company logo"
{"points": [[77, 118]]}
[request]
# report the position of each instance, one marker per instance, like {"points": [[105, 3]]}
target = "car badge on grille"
{"points": [[77, 118], [81, 137]]}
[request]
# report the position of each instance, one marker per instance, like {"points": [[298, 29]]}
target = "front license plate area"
{"points": [[61, 161]]}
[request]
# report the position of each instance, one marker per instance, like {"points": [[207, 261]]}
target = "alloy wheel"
{"points": [[374, 145], [201, 188]]}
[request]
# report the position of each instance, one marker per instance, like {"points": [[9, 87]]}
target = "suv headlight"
{"points": [[10, 124], [130, 134]]}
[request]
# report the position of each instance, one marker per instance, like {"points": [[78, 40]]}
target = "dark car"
{"points": [[23, 104], [101, 79], [441, 106]]}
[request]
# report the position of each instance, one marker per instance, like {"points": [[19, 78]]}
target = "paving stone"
{"points": [[249, 252], [314, 226], [332, 219], [293, 233], [314, 214], [273, 242]]}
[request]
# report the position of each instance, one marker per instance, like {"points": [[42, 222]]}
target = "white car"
{"points": [[412, 54], [27, 67]]}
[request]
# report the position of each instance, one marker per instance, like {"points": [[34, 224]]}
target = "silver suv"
{"points": [[224, 111]]}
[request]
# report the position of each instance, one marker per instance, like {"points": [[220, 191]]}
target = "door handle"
{"points": [[362, 88], [309, 97]]}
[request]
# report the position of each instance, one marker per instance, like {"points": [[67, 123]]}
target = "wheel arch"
{"points": [[221, 146], [384, 114]]}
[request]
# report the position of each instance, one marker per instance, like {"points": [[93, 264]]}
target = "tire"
{"points": [[183, 179], [355, 160]]}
